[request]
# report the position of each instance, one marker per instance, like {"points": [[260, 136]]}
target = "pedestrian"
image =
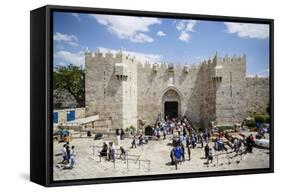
{"points": [[183, 152], [250, 143], [193, 141], [164, 132], [177, 155], [207, 149], [122, 153], [172, 157], [68, 153], [134, 142], [189, 153], [103, 152], [111, 152], [64, 154], [122, 134], [72, 157], [201, 140], [187, 141], [210, 156]]}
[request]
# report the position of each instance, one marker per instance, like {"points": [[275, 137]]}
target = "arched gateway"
{"points": [[171, 103]]}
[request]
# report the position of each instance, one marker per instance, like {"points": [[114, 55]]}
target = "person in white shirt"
{"points": [[72, 157], [64, 154]]}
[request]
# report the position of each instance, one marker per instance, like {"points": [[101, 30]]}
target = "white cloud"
{"points": [[65, 38], [141, 37], [76, 16], [67, 57], [141, 57], [185, 26], [161, 33], [184, 36], [190, 25], [180, 25], [125, 27], [246, 30]]}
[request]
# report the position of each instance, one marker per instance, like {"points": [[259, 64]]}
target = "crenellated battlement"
{"points": [[121, 56], [110, 55], [232, 60]]}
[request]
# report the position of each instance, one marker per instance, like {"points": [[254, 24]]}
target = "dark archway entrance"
{"points": [[171, 103], [171, 109], [148, 131]]}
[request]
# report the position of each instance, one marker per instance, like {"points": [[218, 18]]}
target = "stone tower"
{"points": [[111, 87], [229, 77]]}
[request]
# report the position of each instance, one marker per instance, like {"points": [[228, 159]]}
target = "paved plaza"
{"points": [[90, 165]]}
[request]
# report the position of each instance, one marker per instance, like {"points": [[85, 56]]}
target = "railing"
{"points": [[127, 157]]}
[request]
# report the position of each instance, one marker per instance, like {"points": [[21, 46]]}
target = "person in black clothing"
{"points": [[183, 152], [122, 134], [187, 141], [122, 153], [250, 143], [172, 157], [68, 152], [189, 153], [206, 151], [103, 152], [210, 156]]}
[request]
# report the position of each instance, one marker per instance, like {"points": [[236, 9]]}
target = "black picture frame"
{"points": [[41, 51]]}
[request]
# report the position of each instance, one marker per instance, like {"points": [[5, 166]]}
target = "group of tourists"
{"points": [[139, 140], [69, 156], [109, 152], [184, 139]]}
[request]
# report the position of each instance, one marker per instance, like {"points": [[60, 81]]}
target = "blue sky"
{"points": [[159, 40]]}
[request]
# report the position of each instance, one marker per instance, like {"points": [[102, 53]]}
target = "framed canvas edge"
{"points": [[48, 129]]}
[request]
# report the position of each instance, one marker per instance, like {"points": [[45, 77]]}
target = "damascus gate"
{"points": [[128, 92], [136, 96]]}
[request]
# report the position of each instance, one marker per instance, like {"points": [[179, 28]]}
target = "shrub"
{"points": [[250, 122], [196, 127], [225, 127], [267, 119], [261, 118], [132, 129]]}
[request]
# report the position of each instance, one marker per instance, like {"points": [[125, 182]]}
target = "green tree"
{"points": [[70, 78]]}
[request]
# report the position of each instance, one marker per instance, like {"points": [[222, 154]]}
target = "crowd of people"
{"points": [[184, 139]]}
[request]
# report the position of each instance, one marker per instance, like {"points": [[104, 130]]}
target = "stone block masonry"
{"points": [[127, 91]]}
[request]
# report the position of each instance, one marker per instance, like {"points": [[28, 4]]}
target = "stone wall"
{"points": [[154, 80], [257, 94], [126, 91]]}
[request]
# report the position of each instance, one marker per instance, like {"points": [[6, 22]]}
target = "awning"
{"points": [[82, 121]]}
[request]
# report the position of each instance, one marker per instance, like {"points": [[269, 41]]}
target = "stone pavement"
{"points": [[158, 152]]}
